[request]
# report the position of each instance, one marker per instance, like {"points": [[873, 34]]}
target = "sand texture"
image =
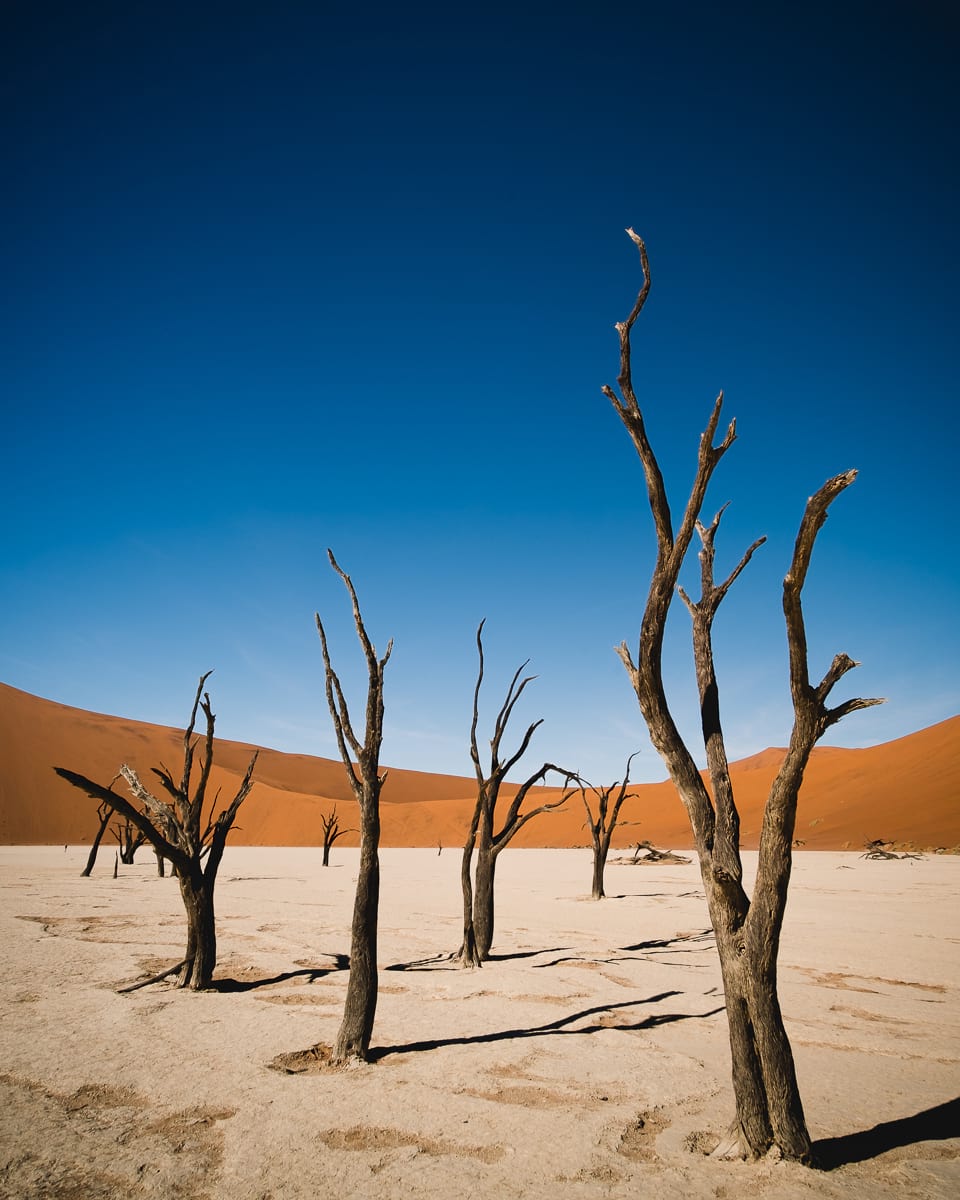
{"points": [[906, 791], [588, 1059]]}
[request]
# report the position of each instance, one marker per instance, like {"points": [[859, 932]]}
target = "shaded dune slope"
{"points": [[905, 791]]}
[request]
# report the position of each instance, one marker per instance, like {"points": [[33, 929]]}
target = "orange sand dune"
{"points": [[905, 791]]}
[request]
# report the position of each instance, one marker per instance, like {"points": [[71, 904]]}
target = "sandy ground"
{"points": [[588, 1059]]}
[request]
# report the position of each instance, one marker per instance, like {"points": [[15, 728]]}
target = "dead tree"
{"points": [[330, 823], [769, 1113], [180, 830], [104, 812], [356, 1029], [602, 823], [483, 837], [129, 839]]}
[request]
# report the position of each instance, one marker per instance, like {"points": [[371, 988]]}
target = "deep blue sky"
{"points": [[282, 277]]}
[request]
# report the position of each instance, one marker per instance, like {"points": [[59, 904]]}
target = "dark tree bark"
{"points": [[769, 1112], [330, 823], [602, 823], [181, 831], [104, 812], [356, 1029], [483, 836]]}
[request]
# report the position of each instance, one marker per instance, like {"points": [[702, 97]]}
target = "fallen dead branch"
{"points": [[646, 854], [879, 849]]}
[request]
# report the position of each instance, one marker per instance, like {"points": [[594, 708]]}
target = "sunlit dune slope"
{"points": [[906, 790]]}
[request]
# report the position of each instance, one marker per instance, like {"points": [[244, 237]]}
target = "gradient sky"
{"points": [[289, 276]]}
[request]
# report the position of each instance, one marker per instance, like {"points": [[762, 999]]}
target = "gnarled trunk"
{"points": [[200, 957], [360, 1008], [483, 906], [468, 954], [767, 1101], [599, 863]]}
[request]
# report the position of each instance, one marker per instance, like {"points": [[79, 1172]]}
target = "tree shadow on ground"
{"points": [[524, 954], [695, 941], [444, 962], [653, 896], [311, 974], [932, 1125], [556, 1028]]}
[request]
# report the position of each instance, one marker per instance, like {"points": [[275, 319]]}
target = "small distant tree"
{"points": [[603, 822], [483, 836], [104, 812], [129, 839], [769, 1112], [356, 1029], [330, 823], [181, 831]]}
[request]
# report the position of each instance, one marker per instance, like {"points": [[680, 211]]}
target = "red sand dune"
{"points": [[905, 791]]}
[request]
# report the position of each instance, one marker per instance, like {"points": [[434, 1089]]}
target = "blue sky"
{"points": [[290, 276]]}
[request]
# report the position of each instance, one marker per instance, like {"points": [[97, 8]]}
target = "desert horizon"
{"points": [[904, 792]]}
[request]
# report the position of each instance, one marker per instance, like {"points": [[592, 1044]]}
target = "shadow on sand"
{"points": [[446, 962], [310, 974], [932, 1125], [556, 1028]]}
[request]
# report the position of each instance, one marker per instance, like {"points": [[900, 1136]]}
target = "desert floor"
{"points": [[587, 1059]]}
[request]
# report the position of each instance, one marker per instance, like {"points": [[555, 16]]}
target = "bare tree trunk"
{"points": [[769, 1110], [356, 1029], [599, 863], [360, 1009], [105, 812], [161, 870], [200, 957], [468, 954], [483, 906]]}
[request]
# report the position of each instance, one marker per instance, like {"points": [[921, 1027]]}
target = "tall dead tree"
{"points": [[484, 837], [356, 1029], [769, 1113], [330, 824], [603, 822], [180, 830]]}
